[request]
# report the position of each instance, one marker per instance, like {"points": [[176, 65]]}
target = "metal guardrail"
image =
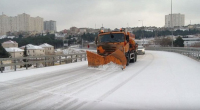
{"points": [[47, 60], [187, 51]]}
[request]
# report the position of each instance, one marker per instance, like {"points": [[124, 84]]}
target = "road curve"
{"points": [[158, 80]]}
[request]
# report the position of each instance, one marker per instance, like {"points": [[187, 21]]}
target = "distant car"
{"points": [[2, 68], [141, 50]]}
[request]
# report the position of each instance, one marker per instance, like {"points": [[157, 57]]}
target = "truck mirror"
{"points": [[127, 38]]}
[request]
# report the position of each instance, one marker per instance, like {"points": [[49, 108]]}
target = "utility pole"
{"points": [[172, 26], [142, 32], [14, 53], [63, 42], [82, 42]]}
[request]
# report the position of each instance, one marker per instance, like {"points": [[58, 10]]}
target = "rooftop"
{"points": [[14, 49], [45, 45], [31, 46], [9, 41]]}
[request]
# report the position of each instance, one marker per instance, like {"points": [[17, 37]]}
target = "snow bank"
{"points": [[72, 51], [46, 70], [108, 67]]}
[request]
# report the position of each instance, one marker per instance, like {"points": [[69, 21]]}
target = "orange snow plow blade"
{"points": [[95, 60]]}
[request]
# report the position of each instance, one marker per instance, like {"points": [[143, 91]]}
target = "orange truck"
{"points": [[117, 46]]}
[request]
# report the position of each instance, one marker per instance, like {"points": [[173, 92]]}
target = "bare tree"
{"points": [[165, 42]]}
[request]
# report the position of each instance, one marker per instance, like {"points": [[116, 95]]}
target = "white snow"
{"points": [[13, 49], [31, 46], [108, 67], [75, 49], [45, 45], [10, 41], [72, 51], [3, 37], [158, 80], [11, 37], [31, 72]]}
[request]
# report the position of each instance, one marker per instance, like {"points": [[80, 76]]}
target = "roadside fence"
{"points": [[187, 51], [39, 61]]}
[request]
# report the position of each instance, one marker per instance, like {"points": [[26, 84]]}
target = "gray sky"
{"points": [[111, 13]]}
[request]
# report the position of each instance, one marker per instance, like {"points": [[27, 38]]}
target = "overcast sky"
{"points": [[111, 13]]}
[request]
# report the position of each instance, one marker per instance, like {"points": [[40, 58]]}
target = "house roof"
{"points": [[10, 41], [45, 45], [31, 46], [13, 49], [3, 36]]}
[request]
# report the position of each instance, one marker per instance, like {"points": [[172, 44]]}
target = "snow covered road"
{"points": [[158, 80]]}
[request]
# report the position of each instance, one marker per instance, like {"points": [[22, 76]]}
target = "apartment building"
{"points": [[15, 52], [50, 26], [83, 30], [3, 24], [34, 50], [49, 49], [177, 20], [74, 30], [21, 22]]}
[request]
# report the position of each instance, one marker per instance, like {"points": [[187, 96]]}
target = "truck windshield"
{"points": [[119, 37]]}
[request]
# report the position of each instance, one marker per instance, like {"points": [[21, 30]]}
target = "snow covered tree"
{"points": [[25, 52], [3, 52], [26, 60]]}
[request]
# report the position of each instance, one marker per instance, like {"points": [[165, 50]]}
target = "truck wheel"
{"points": [[127, 59], [135, 56], [132, 60], [2, 68]]}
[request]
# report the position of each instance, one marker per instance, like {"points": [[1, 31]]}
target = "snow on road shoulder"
{"points": [[46, 70], [73, 50], [108, 67]]}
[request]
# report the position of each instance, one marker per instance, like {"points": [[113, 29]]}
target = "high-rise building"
{"points": [[3, 24], [21, 22], [50, 26], [177, 20]]}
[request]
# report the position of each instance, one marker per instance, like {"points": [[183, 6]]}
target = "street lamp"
{"points": [[172, 26], [142, 22], [142, 32]]}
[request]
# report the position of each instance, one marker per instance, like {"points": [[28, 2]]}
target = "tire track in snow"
{"points": [[15, 92], [83, 79], [124, 82], [101, 98], [19, 106], [95, 81], [65, 106], [85, 82], [37, 78]]}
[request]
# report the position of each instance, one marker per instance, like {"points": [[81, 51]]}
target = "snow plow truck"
{"points": [[118, 47]]}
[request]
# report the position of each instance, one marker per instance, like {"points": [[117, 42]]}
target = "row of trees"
{"points": [[166, 42], [3, 52], [147, 34]]}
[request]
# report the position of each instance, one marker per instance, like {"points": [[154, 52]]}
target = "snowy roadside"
{"points": [[25, 73]]}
